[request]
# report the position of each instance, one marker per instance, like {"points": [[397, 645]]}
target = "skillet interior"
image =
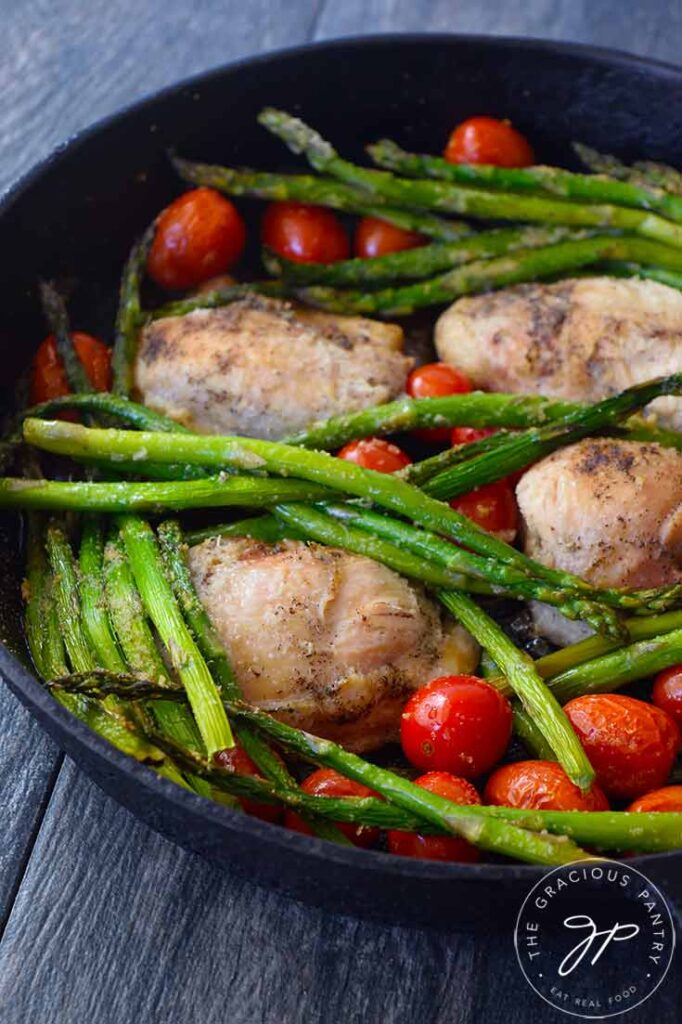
{"points": [[74, 217]]}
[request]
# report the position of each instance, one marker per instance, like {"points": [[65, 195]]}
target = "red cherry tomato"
{"points": [[485, 140], [412, 844], [305, 234], [375, 453], [433, 381], [667, 692], [235, 759], [327, 782], [374, 237], [493, 507], [199, 235], [669, 798], [459, 724], [540, 786], [467, 435], [48, 376], [631, 744]]}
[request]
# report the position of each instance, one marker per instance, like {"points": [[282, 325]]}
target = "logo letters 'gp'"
{"points": [[618, 933]]}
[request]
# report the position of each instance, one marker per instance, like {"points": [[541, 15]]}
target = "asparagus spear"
{"points": [[218, 298], [93, 607], [136, 640], [619, 268], [485, 275], [386, 491], [536, 180], [521, 450], [17, 492], [594, 646], [446, 197], [420, 262], [602, 829], [263, 527], [57, 318], [433, 549], [645, 173], [160, 605], [306, 188], [110, 723], [476, 409], [129, 316], [540, 704]]}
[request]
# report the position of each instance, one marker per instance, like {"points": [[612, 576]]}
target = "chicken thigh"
{"points": [[581, 340], [607, 510], [262, 368], [326, 640]]}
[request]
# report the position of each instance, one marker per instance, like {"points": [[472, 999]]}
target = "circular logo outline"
{"points": [[656, 891]]}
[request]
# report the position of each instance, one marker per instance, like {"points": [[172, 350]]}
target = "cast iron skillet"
{"points": [[74, 218]]}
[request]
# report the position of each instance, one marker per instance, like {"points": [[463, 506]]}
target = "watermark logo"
{"points": [[594, 939]]}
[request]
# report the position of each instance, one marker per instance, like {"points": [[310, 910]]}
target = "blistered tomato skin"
{"points": [[449, 848], [458, 724], [669, 798], [487, 140], [435, 380], [540, 786], [304, 233], [199, 235], [667, 693], [375, 453], [330, 783], [374, 237], [235, 759], [631, 745]]}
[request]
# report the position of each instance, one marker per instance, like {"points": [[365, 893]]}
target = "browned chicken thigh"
{"points": [[262, 368], [607, 510], [329, 641], [581, 340]]}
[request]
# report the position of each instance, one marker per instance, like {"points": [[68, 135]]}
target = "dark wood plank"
{"points": [[66, 64], [652, 29], [114, 924], [29, 763]]}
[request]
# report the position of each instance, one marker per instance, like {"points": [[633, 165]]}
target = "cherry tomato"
{"points": [[433, 381], [667, 692], [199, 235], [669, 798], [486, 140], [631, 744], [467, 435], [374, 237], [493, 507], [48, 376], [327, 782], [540, 786], [305, 234], [459, 724], [412, 844], [235, 759], [375, 453]]}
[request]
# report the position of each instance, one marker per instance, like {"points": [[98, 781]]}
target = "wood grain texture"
{"points": [[112, 924], [652, 29]]}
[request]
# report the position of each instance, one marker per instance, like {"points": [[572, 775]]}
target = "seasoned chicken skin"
{"points": [[607, 510], [580, 340], [328, 641], [262, 368]]}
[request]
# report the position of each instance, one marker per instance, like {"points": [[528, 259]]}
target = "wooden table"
{"points": [[102, 920]]}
